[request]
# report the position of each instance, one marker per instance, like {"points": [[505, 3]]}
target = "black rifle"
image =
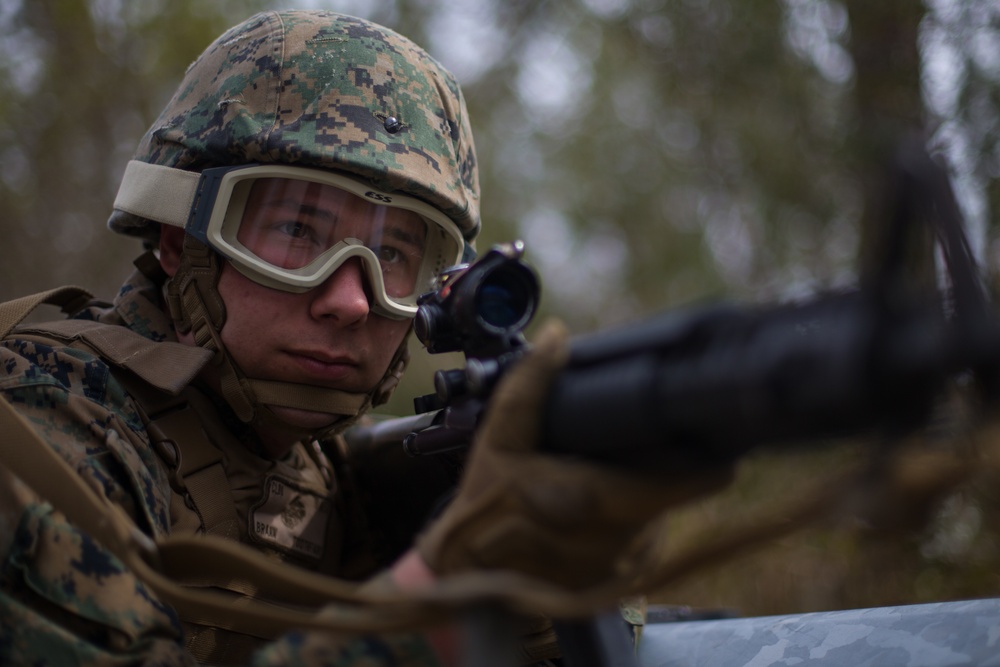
{"points": [[701, 386], [705, 384]]}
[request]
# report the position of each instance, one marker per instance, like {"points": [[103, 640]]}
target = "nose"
{"points": [[344, 297]]}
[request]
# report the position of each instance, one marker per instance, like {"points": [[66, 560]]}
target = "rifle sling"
{"points": [[346, 607], [196, 557]]}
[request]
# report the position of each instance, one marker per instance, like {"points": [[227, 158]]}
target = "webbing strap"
{"points": [[299, 594], [69, 298], [201, 469], [169, 367], [166, 365]]}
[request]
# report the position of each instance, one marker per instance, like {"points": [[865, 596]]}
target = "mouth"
{"points": [[322, 367]]}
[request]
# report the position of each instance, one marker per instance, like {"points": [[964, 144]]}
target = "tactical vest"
{"points": [[286, 509]]}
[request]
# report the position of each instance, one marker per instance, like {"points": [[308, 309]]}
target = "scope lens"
{"points": [[506, 299]]}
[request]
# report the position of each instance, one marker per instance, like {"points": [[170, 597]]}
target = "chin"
{"points": [[306, 419]]}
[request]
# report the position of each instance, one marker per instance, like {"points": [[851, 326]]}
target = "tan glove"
{"points": [[565, 521]]}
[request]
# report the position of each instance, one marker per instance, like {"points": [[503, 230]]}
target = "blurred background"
{"points": [[649, 152]]}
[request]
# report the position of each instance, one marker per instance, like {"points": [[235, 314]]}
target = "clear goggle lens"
{"points": [[291, 228]]}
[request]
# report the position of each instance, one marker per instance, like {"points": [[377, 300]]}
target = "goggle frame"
{"points": [[213, 213]]}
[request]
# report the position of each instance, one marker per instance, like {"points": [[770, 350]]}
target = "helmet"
{"points": [[317, 91], [323, 90]]}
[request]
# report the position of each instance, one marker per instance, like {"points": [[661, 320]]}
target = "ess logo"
{"points": [[378, 196]]}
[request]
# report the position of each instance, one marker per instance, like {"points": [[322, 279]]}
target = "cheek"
{"points": [[394, 331], [249, 307], [383, 338]]}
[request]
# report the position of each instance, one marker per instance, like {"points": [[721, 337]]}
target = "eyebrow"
{"points": [[397, 230], [302, 208]]}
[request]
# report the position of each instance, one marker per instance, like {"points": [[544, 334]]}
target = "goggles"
{"points": [[291, 228]]}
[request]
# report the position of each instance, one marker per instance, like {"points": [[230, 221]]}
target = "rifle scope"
{"points": [[479, 308]]}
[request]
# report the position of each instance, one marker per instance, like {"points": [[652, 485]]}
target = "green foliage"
{"points": [[856, 557], [80, 82], [702, 148]]}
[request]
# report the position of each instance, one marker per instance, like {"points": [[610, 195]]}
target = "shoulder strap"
{"points": [[300, 595], [70, 299], [166, 366]]}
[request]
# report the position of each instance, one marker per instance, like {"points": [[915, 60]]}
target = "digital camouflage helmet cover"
{"points": [[319, 89]]}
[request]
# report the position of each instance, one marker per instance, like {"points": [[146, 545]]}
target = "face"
{"points": [[327, 336]]}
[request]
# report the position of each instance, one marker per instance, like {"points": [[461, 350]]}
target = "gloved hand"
{"points": [[565, 521]]}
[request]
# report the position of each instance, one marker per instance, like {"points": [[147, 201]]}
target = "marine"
{"points": [[309, 178]]}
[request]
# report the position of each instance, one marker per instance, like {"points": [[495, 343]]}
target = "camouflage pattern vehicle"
{"points": [[940, 634]]}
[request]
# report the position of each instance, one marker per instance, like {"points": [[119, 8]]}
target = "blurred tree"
{"points": [[888, 110], [695, 148], [960, 52], [80, 80], [682, 149]]}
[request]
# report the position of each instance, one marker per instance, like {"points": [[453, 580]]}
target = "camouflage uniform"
{"points": [[63, 598], [309, 89]]}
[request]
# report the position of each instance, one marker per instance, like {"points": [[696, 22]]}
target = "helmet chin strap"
{"points": [[196, 306]]}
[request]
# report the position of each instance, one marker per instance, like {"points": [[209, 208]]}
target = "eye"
{"points": [[389, 254], [297, 230]]}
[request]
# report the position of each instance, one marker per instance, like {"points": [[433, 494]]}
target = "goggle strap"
{"points": [[158, 193], [306, 397]]}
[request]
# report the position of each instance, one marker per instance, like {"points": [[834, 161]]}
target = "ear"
{"points": [[171, 243]]}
